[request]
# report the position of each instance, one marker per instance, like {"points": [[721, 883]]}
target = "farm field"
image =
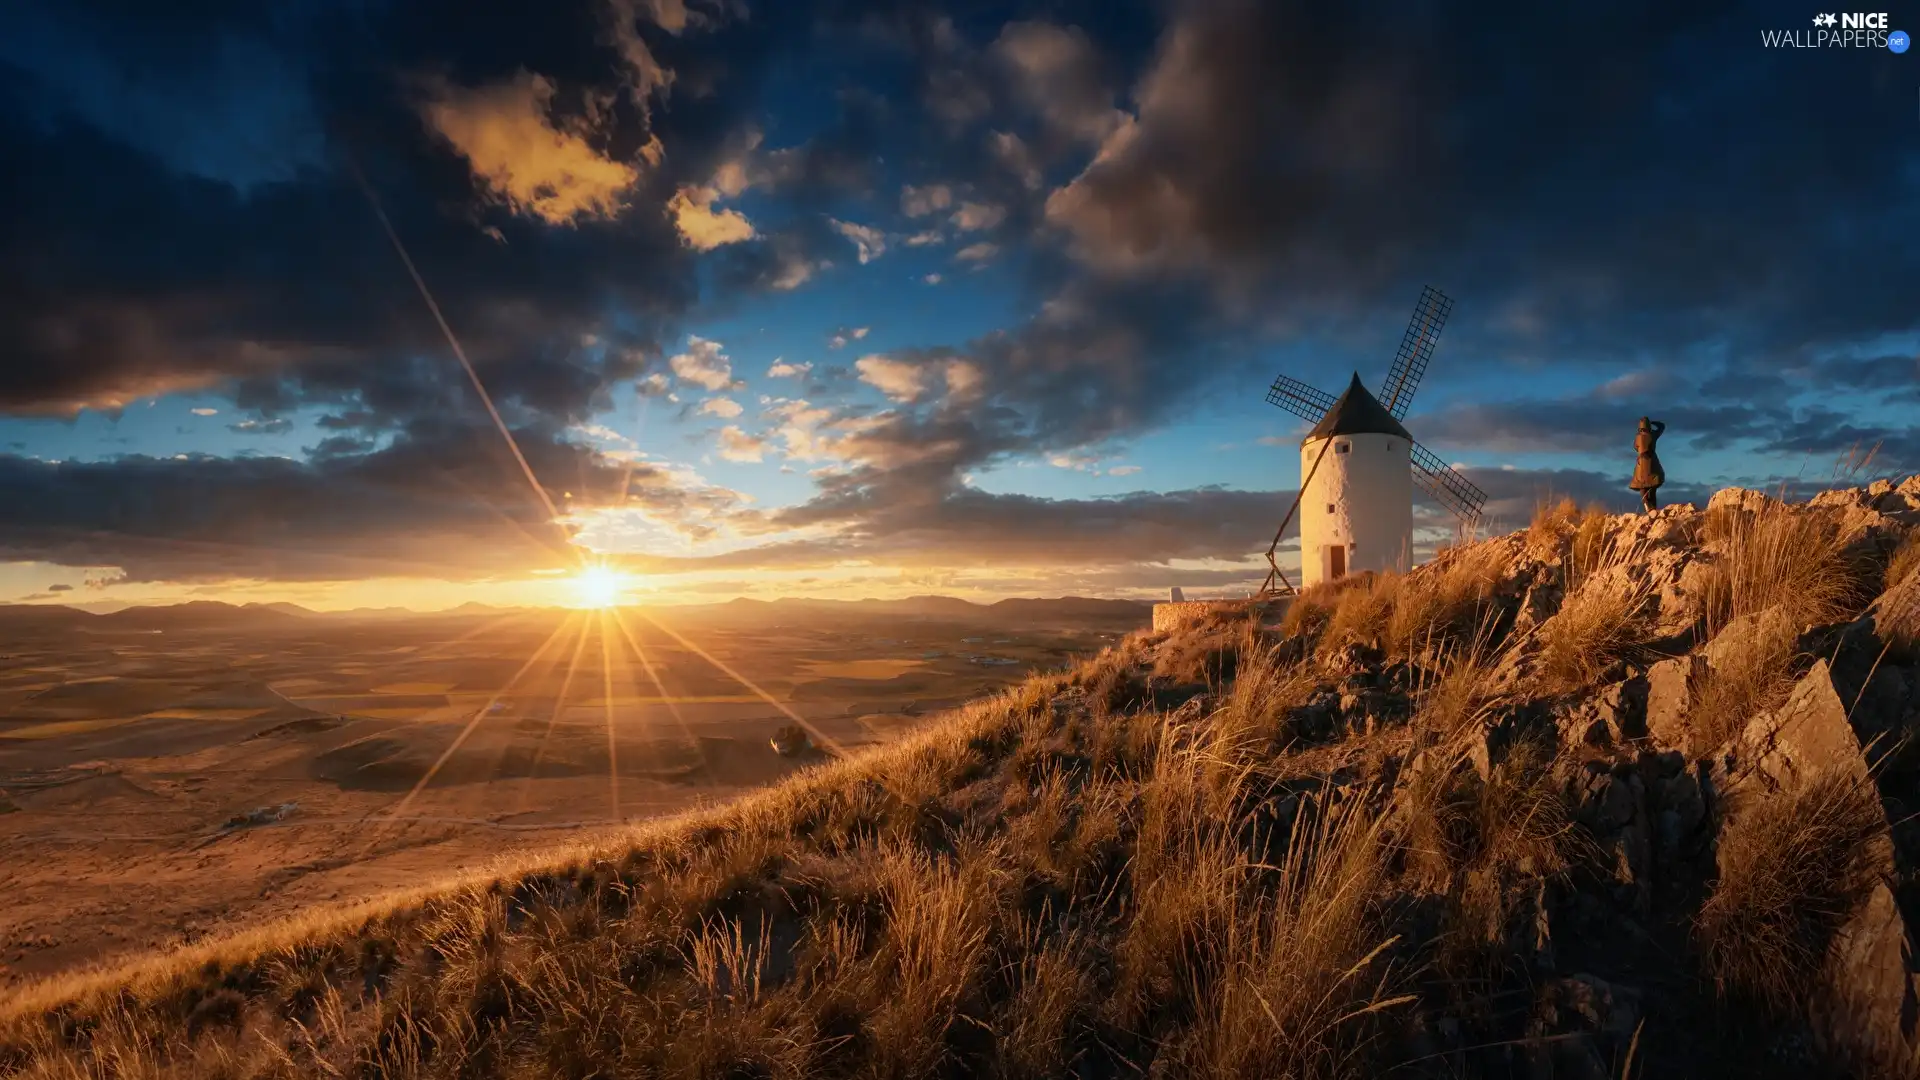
{"points": [[164, 773]]}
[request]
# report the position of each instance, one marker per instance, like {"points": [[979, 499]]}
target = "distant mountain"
{"points": [[283, 608], [1070, 607], [197, 614], [43, 617], [1016, 609]]}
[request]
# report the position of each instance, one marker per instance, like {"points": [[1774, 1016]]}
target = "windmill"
{"points": [[1359, 516]]}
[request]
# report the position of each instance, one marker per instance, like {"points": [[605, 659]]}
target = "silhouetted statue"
{"points": [[1647, 473]]}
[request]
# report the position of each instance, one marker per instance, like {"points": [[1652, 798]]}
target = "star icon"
{"points": [[1824, 20]]}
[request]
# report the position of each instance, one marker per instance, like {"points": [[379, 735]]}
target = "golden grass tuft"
{"points": [[1904, 562], [1361, 613], [1794, 867], [1742, 683], [1601, 623], [1575, 534], [1444, 601], [1780, 555]]}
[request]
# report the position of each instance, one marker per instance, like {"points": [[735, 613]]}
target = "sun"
{"points": [[599, 587]]}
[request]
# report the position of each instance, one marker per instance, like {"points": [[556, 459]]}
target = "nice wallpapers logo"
{"points": [[1847, 30]]}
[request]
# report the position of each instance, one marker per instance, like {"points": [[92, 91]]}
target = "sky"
{"points": [[839, 298]]}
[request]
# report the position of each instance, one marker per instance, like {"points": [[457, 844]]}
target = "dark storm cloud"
{"points": [[440, 499], [133, 264], [1599, 422], [1665, 182]]}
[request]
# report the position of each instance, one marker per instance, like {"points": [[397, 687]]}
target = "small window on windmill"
{"points": [[1329, 508], [1341, 448]]}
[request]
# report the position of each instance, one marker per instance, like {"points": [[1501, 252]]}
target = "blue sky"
{"points": [[871, 299]]}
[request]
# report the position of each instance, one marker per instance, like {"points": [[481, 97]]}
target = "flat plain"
{"points": [[166, 772]]}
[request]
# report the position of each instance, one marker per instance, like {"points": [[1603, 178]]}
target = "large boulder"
{"points": [[1896, 618], [1870, 1011], [1670, 686], [1874, 1010], [1807, 736]]}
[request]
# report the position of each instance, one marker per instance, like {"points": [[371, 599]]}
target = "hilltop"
{"points": [[1609, 796]]}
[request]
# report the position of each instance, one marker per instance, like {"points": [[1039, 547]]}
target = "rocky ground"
{"points": [[1608, 797]]}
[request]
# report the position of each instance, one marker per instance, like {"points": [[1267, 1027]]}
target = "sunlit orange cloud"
{"points": [[507, 134]]}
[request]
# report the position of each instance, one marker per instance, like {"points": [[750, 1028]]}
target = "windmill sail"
{"points": [[1448, 488], [1300, 399], [1416, 350]]}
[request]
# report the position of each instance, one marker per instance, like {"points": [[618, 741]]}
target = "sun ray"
{"points": [[465, 732], [606, 690], [559, 707], [504, 623], [673, 706], [820, 737], [553, 515]]}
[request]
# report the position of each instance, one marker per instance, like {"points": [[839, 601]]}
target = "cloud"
{"points": [[1013, 155], [507, 133], [840, 337], [781, 369], [603, 433], [279, 425], [870, 243], [726, 408], [924, 200], [653, 384], [205, 412], [703, 364], [897, 380], [932, 279], [440, 500], [1060, 73], [703, 227], [973, 216], [1123, 470], [925, 238], [59, 588], [980, 252], [737, 445]]}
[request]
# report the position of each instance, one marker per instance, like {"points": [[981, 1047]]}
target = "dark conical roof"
{"points": [[1357, 413]]}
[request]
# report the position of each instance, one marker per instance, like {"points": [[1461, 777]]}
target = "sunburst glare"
{"points": [[599, 586]]}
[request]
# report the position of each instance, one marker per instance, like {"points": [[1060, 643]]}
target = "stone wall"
{"points": [[1168, 616]]}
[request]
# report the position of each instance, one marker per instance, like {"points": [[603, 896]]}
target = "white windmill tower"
{"points": [[1358, 466]]}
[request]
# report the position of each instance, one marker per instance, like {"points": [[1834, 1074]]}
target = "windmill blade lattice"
{"points": [[1416, 350], [1448, 488], [1300, 399]]}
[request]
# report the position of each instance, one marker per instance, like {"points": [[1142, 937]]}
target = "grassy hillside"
{"points": [[1571, 802]]}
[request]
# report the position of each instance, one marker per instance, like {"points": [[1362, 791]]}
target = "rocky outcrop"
{"points": [[1870, 1007]]}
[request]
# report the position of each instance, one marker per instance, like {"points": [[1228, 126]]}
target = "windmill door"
{"points": [[1336, 562]]}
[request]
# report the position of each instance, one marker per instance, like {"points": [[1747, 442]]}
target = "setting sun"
{"points": [[599, 587]]}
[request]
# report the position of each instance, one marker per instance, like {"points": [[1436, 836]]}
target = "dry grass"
{"points": [[1600, 623], [1577, 535], [1904, 563], [944, 907], [1780, 555], [1742, 684], [1444, 602], [1311, 610], [1459, 687], [1794, 867], [1361, 613], [1481, 842]]}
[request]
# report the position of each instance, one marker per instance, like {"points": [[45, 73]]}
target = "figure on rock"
{"points": [[1647, 473]]}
